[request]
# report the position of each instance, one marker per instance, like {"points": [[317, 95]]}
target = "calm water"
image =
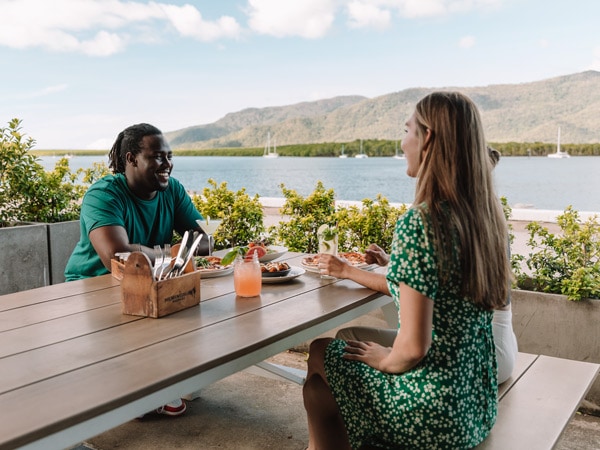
{"points": [[542, 183]]}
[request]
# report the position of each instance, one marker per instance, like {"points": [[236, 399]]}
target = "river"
{"points": [[536, 182]]}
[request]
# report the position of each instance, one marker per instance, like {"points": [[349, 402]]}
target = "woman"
{"points": [[505, 341], [436, 386]]}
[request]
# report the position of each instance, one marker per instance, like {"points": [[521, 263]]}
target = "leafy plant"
{"points": [[306, 215], [516, 260], [568, 263], [17, 167], [29, 193], [241, 215], [374, 222], [357, 227]]}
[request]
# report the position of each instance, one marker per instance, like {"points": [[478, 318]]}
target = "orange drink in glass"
{"points": [[247, 276]]}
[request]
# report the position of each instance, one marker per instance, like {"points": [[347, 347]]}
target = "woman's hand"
{"points": [[374, 254], [338, 268], [333, 266], [370, 353]]}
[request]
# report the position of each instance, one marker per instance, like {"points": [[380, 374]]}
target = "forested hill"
{"points": [[525, 112]]}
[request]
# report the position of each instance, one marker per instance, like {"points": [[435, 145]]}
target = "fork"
{"points": [[167, 258], [158, 261]]}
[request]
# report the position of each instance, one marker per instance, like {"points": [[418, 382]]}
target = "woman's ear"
{"points": [[427, 137], [426, 140]]}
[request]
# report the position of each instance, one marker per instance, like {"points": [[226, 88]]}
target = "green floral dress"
{"points": [[448, 401]]}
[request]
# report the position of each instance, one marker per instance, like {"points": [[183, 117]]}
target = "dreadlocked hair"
{"points": [[456, 185], [129, 141]]}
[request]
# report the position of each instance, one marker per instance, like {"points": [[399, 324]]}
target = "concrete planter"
{"points": [[24, 262], [549, 324], [35, 254], [62, 238]]}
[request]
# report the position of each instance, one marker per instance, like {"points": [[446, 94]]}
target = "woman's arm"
{"points": [[338, 268], [412, 342]]}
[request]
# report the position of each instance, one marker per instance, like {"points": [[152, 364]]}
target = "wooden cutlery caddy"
{"points": [[142, 295]]}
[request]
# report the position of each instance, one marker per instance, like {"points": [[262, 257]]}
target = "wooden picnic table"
{"points": [[73, 366]]}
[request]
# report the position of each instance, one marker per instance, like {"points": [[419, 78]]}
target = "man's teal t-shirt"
{"points": [[148, 222]]}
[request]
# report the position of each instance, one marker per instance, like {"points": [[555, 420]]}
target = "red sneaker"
{"points": [[174, 408]]}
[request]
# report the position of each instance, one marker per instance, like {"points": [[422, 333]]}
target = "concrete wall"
{"points": [[35, 255], [24, 262], [549, 324], [62, 238]]}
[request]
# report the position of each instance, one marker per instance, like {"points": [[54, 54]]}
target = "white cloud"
{"points": [[411, 9], [106, 27], [305, 18], [366, 14], [466, 42], [100, 27], [188, 21]]}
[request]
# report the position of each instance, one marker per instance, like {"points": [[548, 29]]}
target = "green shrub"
{"points": [[306, 215], [358, 227], [374, 222], [28, 193], [567, 263], [241, 215]]}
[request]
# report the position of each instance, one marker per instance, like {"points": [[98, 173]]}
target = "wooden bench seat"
{"points": [[538, 401]]}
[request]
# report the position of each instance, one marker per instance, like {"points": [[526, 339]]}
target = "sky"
{"points": [[77, 72]]}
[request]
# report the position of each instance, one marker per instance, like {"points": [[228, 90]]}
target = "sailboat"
{"points": [[361, 154], [343, 155], [558, 153], [398, 156], [268, 152]]}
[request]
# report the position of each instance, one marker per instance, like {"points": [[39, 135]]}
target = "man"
{"points": [[135, 208]]}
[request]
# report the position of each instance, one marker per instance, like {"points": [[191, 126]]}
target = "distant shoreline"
{"points": [[72, 153]]}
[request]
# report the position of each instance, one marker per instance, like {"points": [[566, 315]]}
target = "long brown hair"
{"points": [[455, 182]]}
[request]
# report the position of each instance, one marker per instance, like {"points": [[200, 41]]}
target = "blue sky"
{"points": [[77, 72]]}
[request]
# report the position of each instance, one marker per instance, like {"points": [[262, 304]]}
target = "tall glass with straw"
{"points": [[328, 241]]}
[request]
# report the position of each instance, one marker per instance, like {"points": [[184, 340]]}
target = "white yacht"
{"points": [[559, 153], [268, 152], [343, 155], [397, 155], [361, 154]]}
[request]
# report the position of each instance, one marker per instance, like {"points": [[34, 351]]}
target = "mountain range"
{"points": [[523, 112]]}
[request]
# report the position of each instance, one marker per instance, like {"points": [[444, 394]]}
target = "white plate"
{"points": [[294, 273], [315, 268], [273, 252], [212, 273]]}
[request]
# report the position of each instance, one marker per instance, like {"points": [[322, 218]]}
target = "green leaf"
{"points": [[232, 254]]}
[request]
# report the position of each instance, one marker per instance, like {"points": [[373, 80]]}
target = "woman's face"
{"points": [[411, 147]]}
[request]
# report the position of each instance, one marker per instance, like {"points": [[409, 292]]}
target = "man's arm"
{"points": [[109, 240]]}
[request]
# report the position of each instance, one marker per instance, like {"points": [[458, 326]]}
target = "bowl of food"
{"points": [[275, 269]]}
